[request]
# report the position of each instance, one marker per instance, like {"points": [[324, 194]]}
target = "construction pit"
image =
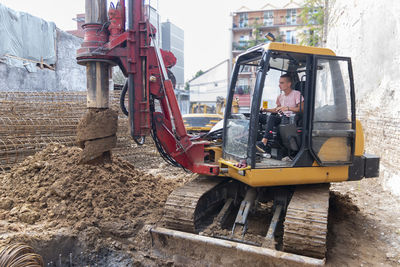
{"points": [[101, 214]]}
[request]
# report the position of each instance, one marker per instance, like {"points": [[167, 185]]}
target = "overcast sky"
{"points": [[206, 23]]}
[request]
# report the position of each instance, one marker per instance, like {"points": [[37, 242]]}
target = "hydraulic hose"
{"points": [[141, 140], [122, 99]]}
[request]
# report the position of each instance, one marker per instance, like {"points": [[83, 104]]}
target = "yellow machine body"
{"points": [[333, 148]]}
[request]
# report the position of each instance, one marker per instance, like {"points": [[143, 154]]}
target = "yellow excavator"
{"points": [[203, 117], [197, 123], [220, 103], [245, 207], [323, 143], [199, 108]]}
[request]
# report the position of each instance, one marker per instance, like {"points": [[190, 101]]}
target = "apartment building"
{"points": [[249, 27], [80, 20], [173, 40], [282, 21]]}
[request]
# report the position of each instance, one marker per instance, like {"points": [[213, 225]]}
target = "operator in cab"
{"points": [[287, 103]]}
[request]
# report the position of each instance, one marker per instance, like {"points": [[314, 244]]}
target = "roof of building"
{"points": [[243, 9], [210, 69], [273, 5], [268, 6]]}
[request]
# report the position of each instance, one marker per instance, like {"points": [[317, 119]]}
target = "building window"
{"points": [[291, 37], [245, 69], [268, 18], [243, 20], [243, 40], [291, 17], [242, 87]]}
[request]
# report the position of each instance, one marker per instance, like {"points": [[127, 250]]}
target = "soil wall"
{"points": [[368, 32]]}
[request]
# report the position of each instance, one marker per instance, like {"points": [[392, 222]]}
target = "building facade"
{"points": [[39, 62], [172, 39], [212, 84], [80, 20], [249, 27], [282, 21]]}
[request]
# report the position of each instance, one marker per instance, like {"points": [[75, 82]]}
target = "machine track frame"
{"points": [[189, 210], [306, 221], [187, 207]]}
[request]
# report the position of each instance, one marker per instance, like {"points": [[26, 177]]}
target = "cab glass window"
{"points": [[237, 128], [332, 134]]}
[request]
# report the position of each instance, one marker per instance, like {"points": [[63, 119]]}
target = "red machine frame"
{"points": [[145, 66]]}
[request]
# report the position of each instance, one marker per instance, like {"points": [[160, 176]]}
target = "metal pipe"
{"points": [[130, 14], [97, 80], [95, 11], [131, 91], [131, 108], [97, 72], [122, 3]]}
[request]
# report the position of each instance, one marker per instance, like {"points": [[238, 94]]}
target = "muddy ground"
{"points": [[97, 214]]}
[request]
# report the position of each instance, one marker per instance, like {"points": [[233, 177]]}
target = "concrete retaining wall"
{"points": [[68, 75], [368, 32]]}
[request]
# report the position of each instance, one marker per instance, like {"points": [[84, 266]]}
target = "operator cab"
{"points": [[326, 121]]}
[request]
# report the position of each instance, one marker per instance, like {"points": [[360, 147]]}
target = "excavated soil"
{"points": [[101, 206], [364, 228], [96, 134], [97, 213], [97, 123]]}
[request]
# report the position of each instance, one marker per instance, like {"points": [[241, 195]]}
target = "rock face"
{"points": [[368, 32]]}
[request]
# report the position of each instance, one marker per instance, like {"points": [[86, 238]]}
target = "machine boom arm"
{"points": [[146, 67]]}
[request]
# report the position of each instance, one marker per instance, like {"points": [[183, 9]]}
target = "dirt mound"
{"points": [[95, 201]]}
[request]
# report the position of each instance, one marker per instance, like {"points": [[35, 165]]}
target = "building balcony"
{"points": [[248, 27], [241, 27], [273, 26], [242, 90], [240, 46], [244, 100]]}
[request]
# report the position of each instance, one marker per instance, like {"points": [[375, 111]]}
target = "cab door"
{"points": [[333, 116]]}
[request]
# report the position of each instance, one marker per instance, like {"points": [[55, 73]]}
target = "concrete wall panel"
{"points": [[68, 75]]}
